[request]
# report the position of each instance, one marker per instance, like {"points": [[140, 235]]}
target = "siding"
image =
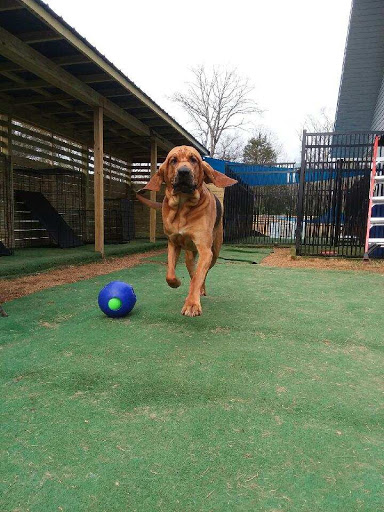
{"points": [[378, 118], [360, 106]]}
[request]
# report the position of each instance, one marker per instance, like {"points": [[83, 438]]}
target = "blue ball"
{"points": [[117, 299]]}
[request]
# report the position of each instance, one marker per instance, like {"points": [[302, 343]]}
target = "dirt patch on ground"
{"points": [[283, 258], [14, 288]]}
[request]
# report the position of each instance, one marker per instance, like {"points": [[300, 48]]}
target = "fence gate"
{"points": [[333, 193], [261, 207]]}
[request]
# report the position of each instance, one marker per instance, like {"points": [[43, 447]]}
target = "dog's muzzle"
{"points": [[184, 181]]}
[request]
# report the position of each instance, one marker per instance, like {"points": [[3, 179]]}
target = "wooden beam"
{"points": [[99, 180], [13, 49], [95, 78], [152, 211], [10, 5], [158, 123], [39, 10], [30, 84], [50, 108], [63, 60], [39, 36], [36, 117], [41, 84], [32, 100], [145, 115], [43, 92]]}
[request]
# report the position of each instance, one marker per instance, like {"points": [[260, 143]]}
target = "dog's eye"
{"points": [[173, 160], [193, 159]]}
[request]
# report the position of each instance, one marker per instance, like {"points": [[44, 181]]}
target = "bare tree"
{"points": [[230, 147], [217, 102], [318, 123], [322, 122]]}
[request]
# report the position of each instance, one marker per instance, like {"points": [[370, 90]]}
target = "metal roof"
{"points": [[361, 94], [53, 77]]}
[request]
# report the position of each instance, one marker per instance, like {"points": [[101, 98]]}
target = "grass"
{"points": [[230, 253], [269, 401], [30, 261]]}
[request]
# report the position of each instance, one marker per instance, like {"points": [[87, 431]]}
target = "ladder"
{"points": [[373, 243]]}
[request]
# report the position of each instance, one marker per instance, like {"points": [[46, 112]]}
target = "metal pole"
{"points": [[300, 197], [338, 202]]}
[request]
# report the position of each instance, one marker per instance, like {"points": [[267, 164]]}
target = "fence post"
{"points": [[98, 177], [300, 198], [338, 203], [152, 211]]}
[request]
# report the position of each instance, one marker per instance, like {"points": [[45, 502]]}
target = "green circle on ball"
{"points": [[114, 304]]}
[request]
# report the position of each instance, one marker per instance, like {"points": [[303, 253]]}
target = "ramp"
{"points": [[49, 217], [4, 251]]}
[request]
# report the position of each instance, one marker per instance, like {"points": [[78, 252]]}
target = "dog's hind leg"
{"points": [[173, 256], [217, 243]]}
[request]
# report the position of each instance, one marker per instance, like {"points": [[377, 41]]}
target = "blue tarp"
{"points": [[262, 175], [256, 175]]}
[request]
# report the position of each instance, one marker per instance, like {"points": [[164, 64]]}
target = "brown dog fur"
{"points": [[190, 220]]}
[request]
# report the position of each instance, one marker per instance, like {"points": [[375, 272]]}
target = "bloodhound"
{"points": [[192, 218]]}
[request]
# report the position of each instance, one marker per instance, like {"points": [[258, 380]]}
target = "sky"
{"points": [[291, 51]]}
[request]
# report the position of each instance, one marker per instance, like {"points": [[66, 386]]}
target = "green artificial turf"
{"points": [[270, 401], [243, 254], [228, 253], [30, 261]]}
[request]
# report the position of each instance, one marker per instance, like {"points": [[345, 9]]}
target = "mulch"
{"points": [[14, 288], [283, 258], [19, 287]]}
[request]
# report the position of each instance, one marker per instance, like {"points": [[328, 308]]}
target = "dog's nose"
{"points": [[183, 172]]}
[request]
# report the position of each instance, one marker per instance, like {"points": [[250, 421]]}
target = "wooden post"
{"points": [[85, 155], [11, 207], [152, 211], [110, 177], [99, 180], [128, 178], [86, 192]]}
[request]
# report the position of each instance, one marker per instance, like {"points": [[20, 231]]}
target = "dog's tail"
{"points": [[147, 202]]}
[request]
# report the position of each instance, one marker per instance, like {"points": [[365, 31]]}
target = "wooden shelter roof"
{"points": [[54, 78]]}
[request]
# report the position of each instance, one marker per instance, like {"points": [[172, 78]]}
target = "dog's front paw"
{"points": [[173, 282], [191, 309]]}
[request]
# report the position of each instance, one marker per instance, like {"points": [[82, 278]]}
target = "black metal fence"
{"points": [[261, 208], [321, 208], [31, 232], [334, 193], [67, 223]]}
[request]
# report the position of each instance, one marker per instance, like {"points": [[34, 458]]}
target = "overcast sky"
{"points": [[291, 50]]}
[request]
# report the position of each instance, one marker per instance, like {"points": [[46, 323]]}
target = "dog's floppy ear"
{"points": [[217, 178], [157, 179]]}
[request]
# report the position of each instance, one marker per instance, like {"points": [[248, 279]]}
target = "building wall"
{"points": [[363, 69], [378, 118]]}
